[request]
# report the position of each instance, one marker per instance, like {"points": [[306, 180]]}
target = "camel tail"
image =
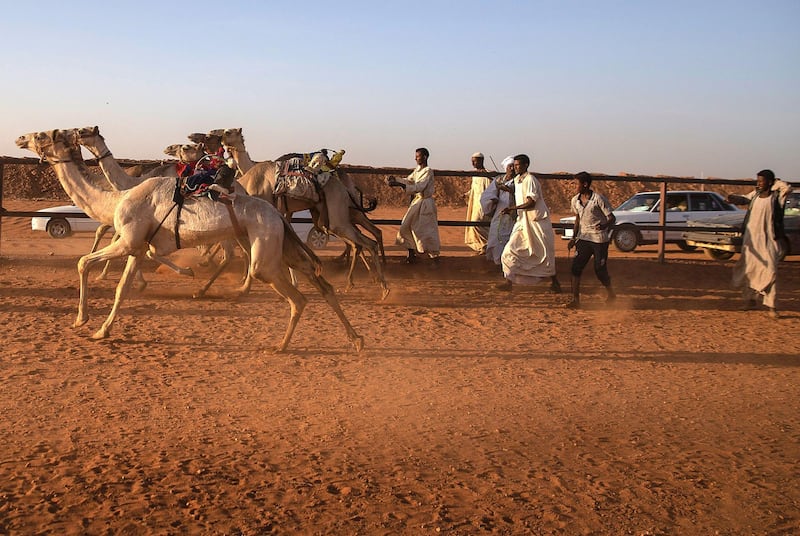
{"points": [[291, 236]]}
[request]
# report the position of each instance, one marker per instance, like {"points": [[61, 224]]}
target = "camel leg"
{"points": [[362, 220], [141, 283], [296, 257], [247, 280], [266, 265], [169, 264], [114, 250], [326, 289], [208, 255], [98, 236], [353, 262], [227, 255], [220, 268], [350, 234], [131, 267], [345, 255]]}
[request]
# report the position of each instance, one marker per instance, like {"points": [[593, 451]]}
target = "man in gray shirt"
{"points": [[593, 221]]}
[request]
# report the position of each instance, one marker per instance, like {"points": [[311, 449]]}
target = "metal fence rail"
{"points": [[659, 179]]}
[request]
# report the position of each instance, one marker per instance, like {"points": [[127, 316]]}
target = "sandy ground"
{"points": [[469, 411]]}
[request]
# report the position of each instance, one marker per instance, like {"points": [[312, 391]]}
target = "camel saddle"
{"points": [[216, 184], [299, 181]]}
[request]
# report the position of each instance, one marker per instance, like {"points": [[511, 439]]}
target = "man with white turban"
{"points": [[530, 254], [475, 236], [419, 230], [493, 200]]}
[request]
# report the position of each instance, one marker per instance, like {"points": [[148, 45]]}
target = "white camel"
{"points": [[117, 176], [146, 218], [91, 138]]}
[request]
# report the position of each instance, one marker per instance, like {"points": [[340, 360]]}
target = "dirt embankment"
{"points": [[37, 181]]}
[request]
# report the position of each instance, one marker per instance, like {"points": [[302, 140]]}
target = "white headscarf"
{"points": [[506, 161], [477, 155]]}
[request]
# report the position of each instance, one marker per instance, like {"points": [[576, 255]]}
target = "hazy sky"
{"points": [[677, 88]]}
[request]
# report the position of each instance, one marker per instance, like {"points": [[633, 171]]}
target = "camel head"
{"points": [[88, 134], [53, 145], [90, 138], [212, 141], [187, 152], [232, 137]]}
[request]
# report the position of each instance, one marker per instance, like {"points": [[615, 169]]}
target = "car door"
{"points": [[677, 213], [704, 205]]}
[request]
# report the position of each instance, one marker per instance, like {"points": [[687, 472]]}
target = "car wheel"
{"points": [[686, 247], [317, 238], [58, 228], [718, 254], [626, 238]]}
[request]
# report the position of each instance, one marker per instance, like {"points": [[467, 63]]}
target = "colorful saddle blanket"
{"points": [[295, 179]]}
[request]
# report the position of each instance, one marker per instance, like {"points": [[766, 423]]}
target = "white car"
{"points": [[64, 226], [643, 209]]}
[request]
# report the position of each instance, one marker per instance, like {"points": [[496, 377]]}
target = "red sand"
{"points": [[469, 410]]}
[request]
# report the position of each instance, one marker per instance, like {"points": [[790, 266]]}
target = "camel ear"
{"points": [[96, 130]]}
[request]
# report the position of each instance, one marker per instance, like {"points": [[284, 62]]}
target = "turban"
{"points": [[477, 155], [506, 161]]}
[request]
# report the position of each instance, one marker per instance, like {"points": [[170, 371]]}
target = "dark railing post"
{"points": [[662, 221]]}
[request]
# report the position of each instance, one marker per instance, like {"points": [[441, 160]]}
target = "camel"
{"points": [[259, 180], [337, 201], [114, 173], [261, 184], [91, 138], [145, 217]]}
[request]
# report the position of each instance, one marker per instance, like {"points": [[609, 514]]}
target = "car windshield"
{"points": [[792, 204], [640, 203]]}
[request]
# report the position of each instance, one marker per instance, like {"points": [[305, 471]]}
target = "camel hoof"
{"points": [[80, 321], [101, 277], [100, 334], [385, 293], [199, 294], [141, 285], [186, 271], [358, 342]]}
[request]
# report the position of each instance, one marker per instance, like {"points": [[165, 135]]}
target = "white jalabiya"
{"points": [[529, 257], [419, 229], [757, 269], [476, 237], [493, 201]]}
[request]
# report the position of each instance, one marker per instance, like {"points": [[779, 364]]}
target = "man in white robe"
{"points": [[494, 199], [756, 272], [476, 236], [529, 257], [419, 230]]}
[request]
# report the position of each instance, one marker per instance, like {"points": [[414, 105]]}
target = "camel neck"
{"points": [[86, 192], [243, 161], [113, 172]]}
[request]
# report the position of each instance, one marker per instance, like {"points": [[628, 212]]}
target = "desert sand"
{"points": [[469, 411]]}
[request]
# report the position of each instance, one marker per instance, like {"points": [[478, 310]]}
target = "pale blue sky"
{"points": [[674, 88]]}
